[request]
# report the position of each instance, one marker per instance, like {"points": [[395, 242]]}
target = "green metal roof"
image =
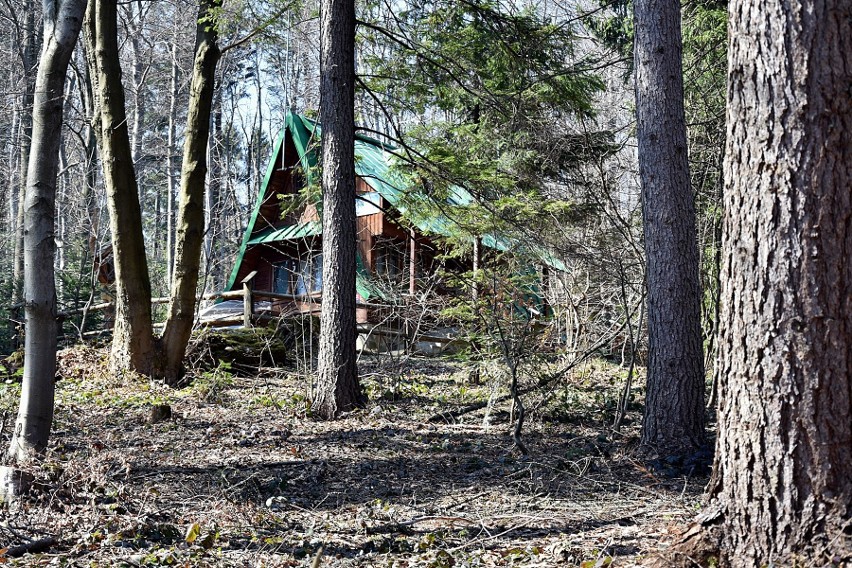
{"points": [[291, 232], [507, 244], [374, 163]]}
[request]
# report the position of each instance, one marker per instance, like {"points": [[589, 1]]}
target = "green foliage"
{"points": [[13, 366], [481, 58], [507, 320], [10, 395], [501, 86], [7, 331], [211, 385], [614, 28], [705, 63]]}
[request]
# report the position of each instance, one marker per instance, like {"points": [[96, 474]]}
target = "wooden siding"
{"points": [[362, 186], [370, 224], [281, 182], [309, 213]]}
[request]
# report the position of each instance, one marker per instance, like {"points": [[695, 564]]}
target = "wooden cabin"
{"points": [[281, 251]]}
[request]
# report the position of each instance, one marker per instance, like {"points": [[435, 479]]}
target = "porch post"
{"points": [[412, 264], [248, 299]]}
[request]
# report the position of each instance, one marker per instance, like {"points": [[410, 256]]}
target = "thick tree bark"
{"points": [[62, 22], [338, 389], [783, 477], [190, 224], [133, 345], [673, 423]]}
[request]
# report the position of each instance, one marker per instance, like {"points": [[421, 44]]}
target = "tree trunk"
{"points": [[14, 132], [62, 24], [783, 477], [133, 345], [216, 219], [338, 389], [673, 423], [190, 224], [29, 60], [12, 200], [171, 167], [134, 31]]}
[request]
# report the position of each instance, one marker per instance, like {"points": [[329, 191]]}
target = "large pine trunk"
{"points": [[190, 224], [133, 345], [673, 423], [62, 22], [783, 477], [337, 382]]}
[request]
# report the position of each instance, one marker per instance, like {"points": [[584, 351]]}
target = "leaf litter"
{"points": [[245, 477]]}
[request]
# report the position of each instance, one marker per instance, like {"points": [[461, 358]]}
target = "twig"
{"points": [[39, 545], [468, 500], [318, 558], [146, 471], [543, 382], [489, 537], [405, 525]]}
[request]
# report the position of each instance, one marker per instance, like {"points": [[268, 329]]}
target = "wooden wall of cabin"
{"points": [[250, 258], [285, 180], [266, 267]]}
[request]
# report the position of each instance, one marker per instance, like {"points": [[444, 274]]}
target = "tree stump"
{"points": [[160, 413]]}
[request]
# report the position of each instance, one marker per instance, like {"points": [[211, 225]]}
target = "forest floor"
{"points": [[240, 475]]}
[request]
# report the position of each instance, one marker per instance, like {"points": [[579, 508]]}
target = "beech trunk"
{"points": [[62, 23], [190, 222], [28, 51], [133, 345]]}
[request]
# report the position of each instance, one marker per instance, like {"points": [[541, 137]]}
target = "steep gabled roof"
{"points": [[374, 162]]}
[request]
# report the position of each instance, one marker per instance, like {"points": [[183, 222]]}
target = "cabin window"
{"points": [[390, 260], [309, 276], [282, 277]]}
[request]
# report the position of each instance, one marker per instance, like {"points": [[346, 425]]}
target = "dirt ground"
{"points": [[240, 475]]}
